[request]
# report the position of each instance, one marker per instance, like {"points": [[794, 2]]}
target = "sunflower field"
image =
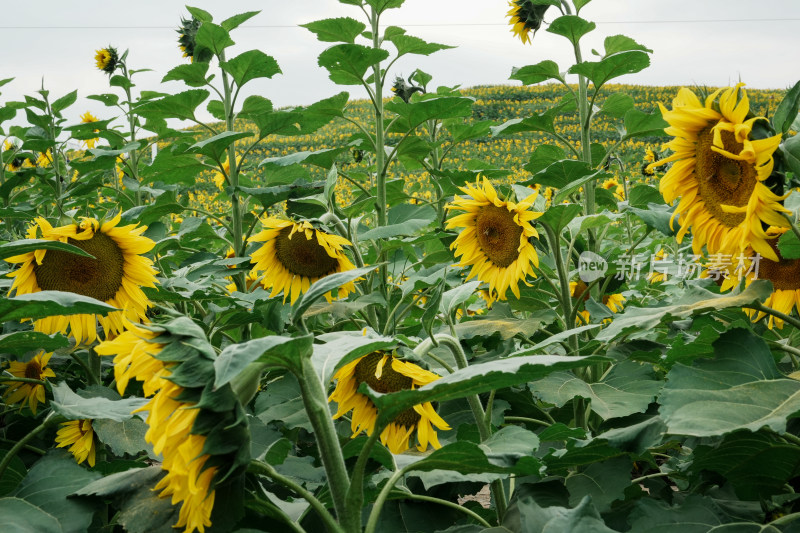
{"points": [[564, 304]]}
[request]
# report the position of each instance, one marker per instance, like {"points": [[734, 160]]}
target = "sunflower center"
{"points": [[33, 370], [303, 257], [390, 381], [498, 235], [784, 275], [721, 180], [98, 278]]}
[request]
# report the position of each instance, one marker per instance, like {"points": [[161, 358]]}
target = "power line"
{"points": [[442, 24]]}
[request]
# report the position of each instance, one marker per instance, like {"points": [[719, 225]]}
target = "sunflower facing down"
{"points": [[26, 392], [718, 173], [295, 255], [383, 373], [107, 59], [526, 18], [79, 436], [495, 240], [115, 275]]}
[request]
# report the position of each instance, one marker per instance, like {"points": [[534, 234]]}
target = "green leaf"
{"points": [[272, 350], [694, 514], [50, 303], [788, 246], [216, 147], [574, 186], [617, 104], [73, 407], [572, 27], [340, 29], [613, 66], [528, 515], [415, 113], [476, 379], [325, 285], [639, 123], [382, 5], [251, 65], [108, 99], [756, 465], [282, 402], [628, 388], [14, 473], [171, 169], [122, 482], [269, 196], [144, 511], [604, 482], [620, 43], [322, 158], [122, 437], [741, 388], [579, 4], [192, 74], [24, 246], [657, 216], [49, 483], [791, 153], [64, 102], [413, 219], [558, 216], [342, 347], [237, 20], [20, 516], [348, 63], [407, 44], [532, 74], [213, 37], [692, 302], [562, 173], [454, 297], [200, 14], [181, 105], [21, 342]]}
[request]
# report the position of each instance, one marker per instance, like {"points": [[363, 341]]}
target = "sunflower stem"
{"points": [[355, 494], [792, 225], [472, 514], [268, 470], [24, 380], [563, 281], [132, 155], [372, 521], [758, 306], [90, 375], [49, 420], [527, 420], [316, 405]]}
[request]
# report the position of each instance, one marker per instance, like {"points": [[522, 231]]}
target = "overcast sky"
{"points": [[695, 42]]}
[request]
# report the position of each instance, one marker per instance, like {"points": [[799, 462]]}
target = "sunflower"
{"points": [[526, 18], [45, 159], [614, 302], [135, 351], [115, 275], [222, 178], [719, 173], [23, 391], [187, 35], [613, 185], [88, 118], [655, 276], [79, 436], [107, 59], [295, 255], [382, 377], [496, 237]]}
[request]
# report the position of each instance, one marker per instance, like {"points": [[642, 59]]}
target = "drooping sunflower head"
{"points": [[495, 237], [88, 118], [526, 18], [115, 274], [187, 35], [25, 392], [295, 255], [720, 165], [616, 188], [107, 59], [384, 373], [404, 90], [79, 436], [222, 177]]}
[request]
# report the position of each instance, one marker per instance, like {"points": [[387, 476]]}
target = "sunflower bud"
{"points": [[526, 17], [188, 43], [405, 90], [107, 59]]}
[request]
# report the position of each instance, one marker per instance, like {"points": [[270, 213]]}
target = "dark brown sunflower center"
{"points": [[721, 180], [303, 257], [784, 275], [498, 235], [98, 278], [390, 381], [33, 370]]}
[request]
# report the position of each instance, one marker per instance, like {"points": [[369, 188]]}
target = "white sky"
{"points": [[696, 42]]}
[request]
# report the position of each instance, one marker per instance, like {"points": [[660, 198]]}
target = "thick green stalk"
{"points": [[316, 404], [49, 420], [133, 155]]}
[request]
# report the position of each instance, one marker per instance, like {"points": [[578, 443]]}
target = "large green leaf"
{"points": [[613, 66], [325, 285], [340, 29], [415, 113], [24, 246], [122, 482], [19, 516], [628, 388], [271, 350], [475, 380], [505, 327], [741, 388], [50, 303], [342, 347], [789, 245], [181, 105], [786, 113], [216, 146], [172, 169], [193, 74], [282, 402], [122, 437], [49, 483], [757, 465], [213, 37], [74, 407], [694, 514], [407, 44], [251, 65], [20, 342], [562, 173], [531, 74], [638, 124], [694, 300], [605, 482], [348, 63], [411, 222], [572, 27], [536, 512]]}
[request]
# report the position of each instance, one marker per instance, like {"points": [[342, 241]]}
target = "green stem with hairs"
{"points": [[758, 306], [49, 420]]}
